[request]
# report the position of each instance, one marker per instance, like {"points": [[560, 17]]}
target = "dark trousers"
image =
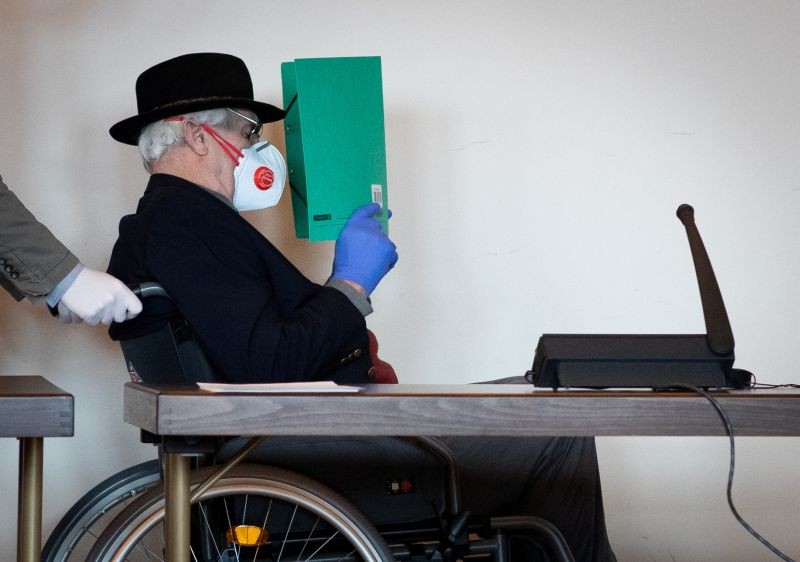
{"points": [[555, 478]]}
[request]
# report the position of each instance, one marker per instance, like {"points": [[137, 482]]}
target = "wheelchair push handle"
{"points": [[149, 289]]}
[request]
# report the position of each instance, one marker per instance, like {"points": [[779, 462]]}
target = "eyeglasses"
{"points": [[255, 133]]}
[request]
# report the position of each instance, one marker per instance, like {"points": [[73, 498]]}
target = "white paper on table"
{"points": [[284, 387]]}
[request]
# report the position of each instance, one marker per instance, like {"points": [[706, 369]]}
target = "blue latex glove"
{"points": [[363, 254]]}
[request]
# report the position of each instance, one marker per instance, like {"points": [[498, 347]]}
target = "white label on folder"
{"points": [[377, 194]]}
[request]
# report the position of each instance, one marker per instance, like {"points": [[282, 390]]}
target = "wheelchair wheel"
{"points": [[254, 512], [76, 532]]}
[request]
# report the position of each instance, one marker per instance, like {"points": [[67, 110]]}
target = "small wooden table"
{"points": [[32, 408], [438, 410]]}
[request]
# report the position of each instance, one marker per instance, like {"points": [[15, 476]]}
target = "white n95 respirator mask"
{"points": [[259, 177]]}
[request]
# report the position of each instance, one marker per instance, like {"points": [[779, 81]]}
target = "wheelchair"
{"points": [[288, 498]]}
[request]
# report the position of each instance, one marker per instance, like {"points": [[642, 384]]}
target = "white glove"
{"points": [[96, 297], [67, 316]]}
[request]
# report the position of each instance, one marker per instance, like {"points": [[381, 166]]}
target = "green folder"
{"points": [[335, 141]]}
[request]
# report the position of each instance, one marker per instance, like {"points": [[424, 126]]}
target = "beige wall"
{"points": [[537, 152]]}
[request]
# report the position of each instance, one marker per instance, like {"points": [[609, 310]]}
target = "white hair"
{"points": [[157, 137]]}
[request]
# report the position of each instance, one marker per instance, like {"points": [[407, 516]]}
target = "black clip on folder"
{"points": [[648, 361]]}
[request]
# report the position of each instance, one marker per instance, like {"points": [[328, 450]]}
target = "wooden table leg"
{"points": [[176, 507], [29, 500]]}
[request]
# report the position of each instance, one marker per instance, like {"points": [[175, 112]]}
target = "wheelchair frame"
{"points": [[458, 536]]}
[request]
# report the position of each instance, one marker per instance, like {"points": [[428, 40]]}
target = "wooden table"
{"points": [[32, 408], [515, 410], [470, 409]]}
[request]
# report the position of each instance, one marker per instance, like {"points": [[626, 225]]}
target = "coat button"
{"points": [[371, 373], [8, 268], [2, 261], [357, 353], [14, 275]]}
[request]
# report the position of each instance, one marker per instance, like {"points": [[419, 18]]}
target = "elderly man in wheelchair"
{"points": [[232, 308]]}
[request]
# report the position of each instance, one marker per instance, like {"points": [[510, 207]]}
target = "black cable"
{"points": [[755, 384], [729, 430], [768, 386]]}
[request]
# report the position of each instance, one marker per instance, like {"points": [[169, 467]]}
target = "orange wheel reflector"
{"points": [[247, 535]]}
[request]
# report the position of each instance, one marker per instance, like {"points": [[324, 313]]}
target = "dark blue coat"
{"points": [[258, 318]]}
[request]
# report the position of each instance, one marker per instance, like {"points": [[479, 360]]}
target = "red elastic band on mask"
{"points": [[230, 149]]}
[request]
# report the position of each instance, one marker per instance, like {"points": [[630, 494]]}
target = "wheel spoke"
{"points": [[148, 552], [286, 535], [330, 538], [230, 526], [263, 529], [210, 530], [308, 538]]}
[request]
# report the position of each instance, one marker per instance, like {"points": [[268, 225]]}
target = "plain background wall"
{"points": [[537, 152]]}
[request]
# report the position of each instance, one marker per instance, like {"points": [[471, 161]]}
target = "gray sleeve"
{"points": [[32, 260], [360, 300]]}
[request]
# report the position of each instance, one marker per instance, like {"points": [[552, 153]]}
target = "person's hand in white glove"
{"points": [[96, 297]]}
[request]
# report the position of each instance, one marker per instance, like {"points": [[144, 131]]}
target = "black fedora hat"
{"points": [[192, 82]]}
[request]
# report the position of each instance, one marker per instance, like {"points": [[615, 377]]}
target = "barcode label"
{"points": [[377, 194]]}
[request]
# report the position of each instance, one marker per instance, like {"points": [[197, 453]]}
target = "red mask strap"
{"points": [[233, 153]]}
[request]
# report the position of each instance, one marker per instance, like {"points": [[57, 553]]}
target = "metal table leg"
{"points": [[176, 507], [29, 506]]}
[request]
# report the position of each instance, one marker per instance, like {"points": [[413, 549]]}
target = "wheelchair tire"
{"points": [[74, 535], [326, 522]]}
